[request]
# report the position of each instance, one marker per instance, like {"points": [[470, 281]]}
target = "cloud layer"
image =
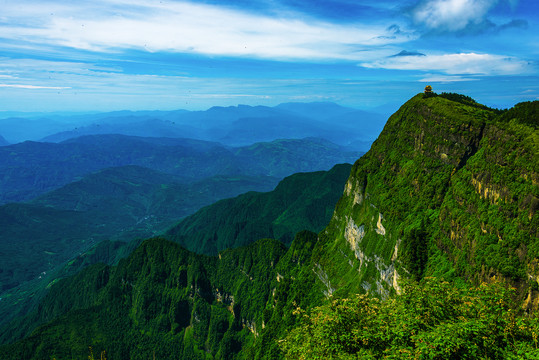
{"points": [[150, 52], [457, 64], [451, 15], [190, 27]]}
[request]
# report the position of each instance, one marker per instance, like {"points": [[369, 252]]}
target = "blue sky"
{"points": [[170, 54]]}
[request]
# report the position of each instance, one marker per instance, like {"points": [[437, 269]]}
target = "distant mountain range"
{"points": [[234, 126], [31, 169], [3, 141]]}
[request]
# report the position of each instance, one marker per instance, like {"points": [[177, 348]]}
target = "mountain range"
{"points": [[448, 191], [233, 126], [31, 169]]}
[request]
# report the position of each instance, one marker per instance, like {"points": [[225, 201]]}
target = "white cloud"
{"points": [[451, 15], [463, 63], [188, 27], [434, 78], [20, 86]]}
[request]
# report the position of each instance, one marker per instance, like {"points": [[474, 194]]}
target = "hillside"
{"points": [[303, 201], [448, 191], [122, 203], [140, 194], [129, 203], [202, 305], [31, 169]]}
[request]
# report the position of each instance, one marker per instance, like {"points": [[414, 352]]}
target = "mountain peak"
{"points": [[448, 181]]}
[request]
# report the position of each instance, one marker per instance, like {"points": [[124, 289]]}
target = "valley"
{"points": [[434, 230]]}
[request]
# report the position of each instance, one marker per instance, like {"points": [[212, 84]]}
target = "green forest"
{"points": [[429, 251]]}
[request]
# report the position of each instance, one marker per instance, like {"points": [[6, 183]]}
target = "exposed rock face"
{"points": [[453, 177], [324, 279], [379, 227]]}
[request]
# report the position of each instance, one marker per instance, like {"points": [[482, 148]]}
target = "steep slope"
{"points": [[164, 301], [131, 202], [124, 203], [303, 201], [449, 188], [489, 220]]}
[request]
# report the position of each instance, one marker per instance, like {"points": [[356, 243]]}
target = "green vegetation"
{"points": [[431, 253], [430, 320], [257, 302], [121, 203], [161, 299], [130, 203], [303, 201], [125, 204], [454, 187], [463, 99]]}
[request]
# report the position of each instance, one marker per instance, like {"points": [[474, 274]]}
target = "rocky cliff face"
{"points": [[450, 188]]}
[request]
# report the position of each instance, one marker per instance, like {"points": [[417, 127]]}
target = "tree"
{"points": [[432, 319]]}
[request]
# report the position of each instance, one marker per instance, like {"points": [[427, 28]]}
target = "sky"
{"points": [[103, 55]]}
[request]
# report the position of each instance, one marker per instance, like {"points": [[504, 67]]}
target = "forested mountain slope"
{"points": [[167, 302], [449, 190], [303, 201], [127, 203], [122, 203]]}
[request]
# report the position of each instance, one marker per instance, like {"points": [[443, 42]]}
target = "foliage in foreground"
{"points": [[430, 320]]}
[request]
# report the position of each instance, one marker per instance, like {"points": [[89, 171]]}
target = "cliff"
{"points": [[450, 188]]}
